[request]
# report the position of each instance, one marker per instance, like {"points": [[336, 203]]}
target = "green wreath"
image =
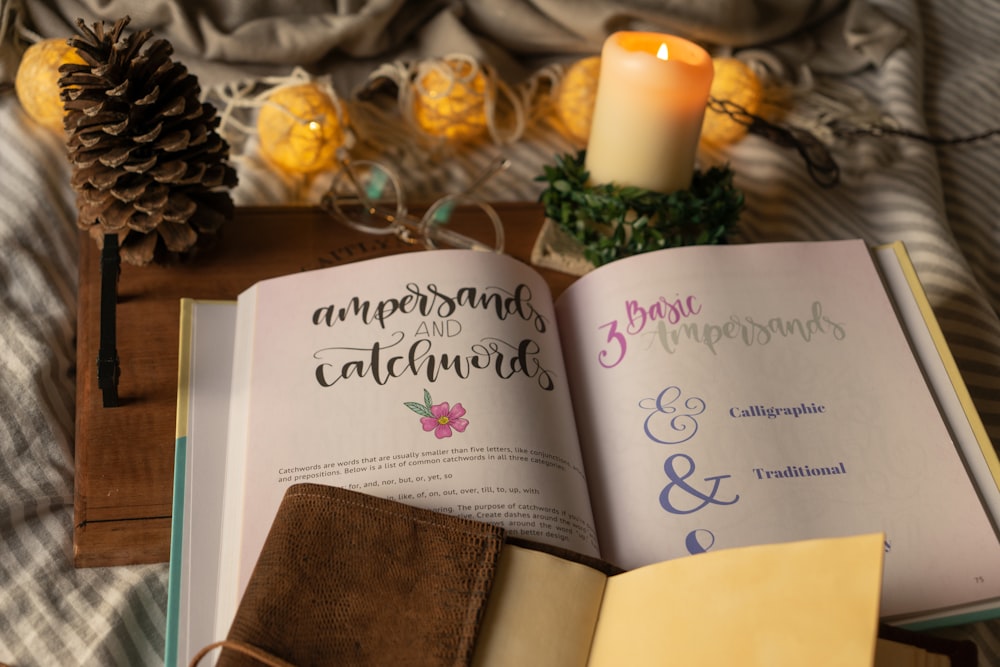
{"points": [[612, 222]]}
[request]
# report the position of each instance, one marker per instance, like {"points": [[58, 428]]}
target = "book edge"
{"points": [[975, 611], [172, 632], [948, 360]]}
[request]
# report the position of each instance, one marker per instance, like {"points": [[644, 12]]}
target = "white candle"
{"points": [[650, 102]]}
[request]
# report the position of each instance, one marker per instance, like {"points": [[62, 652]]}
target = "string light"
{"points": [[819, 161], [449, 99], [300, 128], [574, 102], [736, 82], [37, 81]]}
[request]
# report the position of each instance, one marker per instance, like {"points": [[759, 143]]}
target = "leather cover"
{"points": [[349, 579]]}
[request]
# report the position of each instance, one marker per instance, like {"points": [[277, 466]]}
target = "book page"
{"points": [[749, 394], [542, 610], [432, 378], [812, 602]]}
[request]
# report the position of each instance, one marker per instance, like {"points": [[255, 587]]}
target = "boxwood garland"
{"points": [[612, 222]]}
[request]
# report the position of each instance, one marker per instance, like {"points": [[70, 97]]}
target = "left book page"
{"points": [[432, 378]]}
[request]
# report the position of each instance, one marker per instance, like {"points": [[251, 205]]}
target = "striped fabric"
{"points": [[941, 201], [51, 613]]}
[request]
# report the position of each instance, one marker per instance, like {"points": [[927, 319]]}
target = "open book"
{"points": [[682, 401]]}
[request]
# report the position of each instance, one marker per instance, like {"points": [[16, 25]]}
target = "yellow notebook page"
{"points": [[804, 603]]}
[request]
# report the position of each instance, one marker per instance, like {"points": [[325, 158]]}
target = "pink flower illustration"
{"points": [[440, 418], [444, 419]]}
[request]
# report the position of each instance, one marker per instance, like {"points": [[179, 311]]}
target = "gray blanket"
{"points": [[222, 39]]}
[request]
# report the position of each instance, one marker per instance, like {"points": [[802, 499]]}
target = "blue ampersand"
{"points": [[677, 481], [682, 425]]}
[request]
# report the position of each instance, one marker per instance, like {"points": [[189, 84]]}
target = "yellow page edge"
{"points": [[184, 352], [184, 367]]}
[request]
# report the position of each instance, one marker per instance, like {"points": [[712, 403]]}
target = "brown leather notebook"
{"points": [[388, 582]]}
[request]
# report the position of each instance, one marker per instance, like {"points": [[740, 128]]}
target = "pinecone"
{"points": [[147, 161]]}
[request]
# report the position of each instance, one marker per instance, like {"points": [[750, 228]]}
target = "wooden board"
{"points": [[124, 455]]}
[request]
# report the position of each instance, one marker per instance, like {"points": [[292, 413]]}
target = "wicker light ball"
{"points": [[300, 128], [449, 99], [736, 82], [574, 103], [37, 80]]}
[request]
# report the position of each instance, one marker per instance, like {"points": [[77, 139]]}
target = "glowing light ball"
{"points": [[736, 82], [575, 99], [300, 128], [37, 80], [449, 99]]}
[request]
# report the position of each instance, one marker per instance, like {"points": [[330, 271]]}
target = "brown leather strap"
{"points": [[249, 650]]}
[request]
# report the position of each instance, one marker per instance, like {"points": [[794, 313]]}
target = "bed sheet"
{"points": [[940, 75]]}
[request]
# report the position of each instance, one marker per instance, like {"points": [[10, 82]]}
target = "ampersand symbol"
{"points": [[677, 482], [681, 425]]}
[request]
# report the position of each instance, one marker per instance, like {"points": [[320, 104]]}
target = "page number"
{"points": [[979, 580]]}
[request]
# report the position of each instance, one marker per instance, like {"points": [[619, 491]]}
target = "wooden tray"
{"points": [[125, 454]]}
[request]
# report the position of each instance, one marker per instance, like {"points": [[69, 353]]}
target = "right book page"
{"points": [[748, 394]]}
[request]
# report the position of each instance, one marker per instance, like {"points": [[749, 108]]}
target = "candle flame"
{"points": [[662, 53]]}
